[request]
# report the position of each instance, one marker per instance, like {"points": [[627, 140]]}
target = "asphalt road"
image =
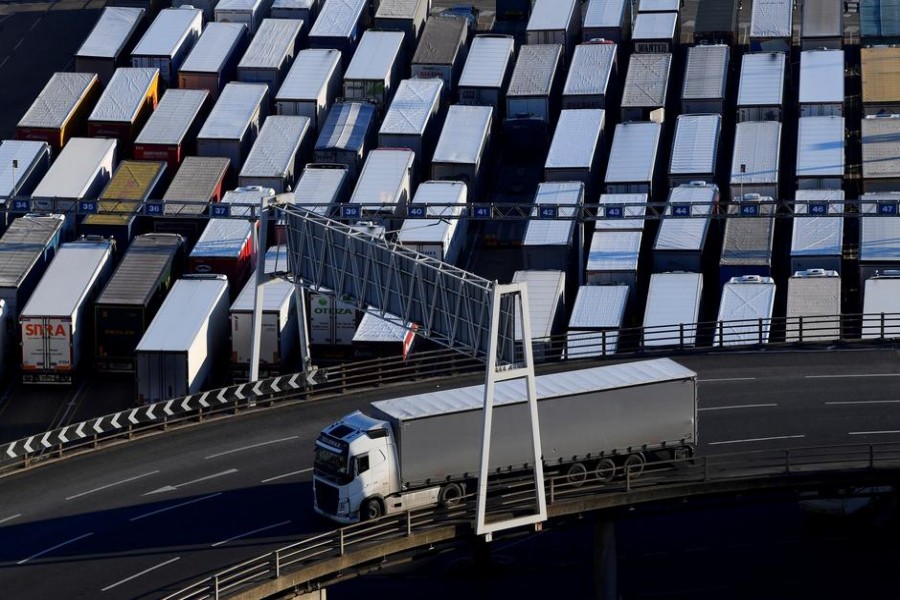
{"points": [[154, 515]]}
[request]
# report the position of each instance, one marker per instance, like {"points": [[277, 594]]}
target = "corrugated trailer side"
{"points": [[347, 135], [128, 303], [61, 109]]}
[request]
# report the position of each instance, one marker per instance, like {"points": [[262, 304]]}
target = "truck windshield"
{"points": [[331, 463]]}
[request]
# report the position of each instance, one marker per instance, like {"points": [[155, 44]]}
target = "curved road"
{"points": [[146, 518]]}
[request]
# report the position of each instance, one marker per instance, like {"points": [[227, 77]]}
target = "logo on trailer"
{"points": [[49, 330]]}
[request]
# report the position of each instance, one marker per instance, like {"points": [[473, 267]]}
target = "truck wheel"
{"points": [[450, 495], [576, 474], [633, 466], [605, 470], [371, 509]]}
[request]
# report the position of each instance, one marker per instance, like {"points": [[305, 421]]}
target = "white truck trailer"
{"points": [[407, 16], [107, 46], [486, 73], [385, 185], [283, 145], [555, 22], [546, 308], [441, 52], [441, 232], [591, 76], [347, 136], [745, 311], [597, 317], [213, 59], [464, 146], [813, 306], [423, 450], [233, 124], [311, 86], [23, 164], [412, 121], [576, 152], [54, 330], [168, 41], [673, 309], [374, 72], [270, 54]]}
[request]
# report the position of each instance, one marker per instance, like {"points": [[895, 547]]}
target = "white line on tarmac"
{"points": [[19, 43], [35, 24], [763, 439], [109, 485], [736, 406], [172, 488], [727, 379], [5, 58], [174, 506], [144, 572], [852, 375], [873, 432], [840, 402], [243, 535], [293, 437], [48, 550], [10, 518], [281, 476]]}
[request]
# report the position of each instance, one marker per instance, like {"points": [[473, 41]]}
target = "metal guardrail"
{"points": [[317, 558], [367, 375]]}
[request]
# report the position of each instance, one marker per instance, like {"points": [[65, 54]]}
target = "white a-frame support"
{"points": [[495, 373]]}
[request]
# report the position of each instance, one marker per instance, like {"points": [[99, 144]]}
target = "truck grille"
{"points": [[326, 497]]}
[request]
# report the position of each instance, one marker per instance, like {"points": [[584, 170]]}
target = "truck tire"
{"points": [[371, 509], [605, 471], [576, 474], [633, 466], [450, 495]]}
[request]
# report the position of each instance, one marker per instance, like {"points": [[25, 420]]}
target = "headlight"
{"points": [[343, 507]]}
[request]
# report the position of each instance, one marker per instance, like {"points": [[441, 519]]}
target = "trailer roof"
{"points": [[812, 295], [217, 44], [882, 295], [672, 299], [346, 125], [686, 234], [382, 176], [654, 26], [880, 74], [749, 299], [320, 186], [576, 139], [238, 5], [169, 30], [125, 95], [880, 147], [820, 147], [448, 401], [397, 9], [464, 135], [413, 105], [183, 315], [566, 196], [535, 70], [68, 278], [376, 55], [762, 79], [822, 19], [551, 15], [148, 259], [224, 238], [276, 146], [22, 244], [748, 241], [696, 146], [879, 18], [440, 40], [245, 199], [275, 40], [771, 19], [647, 80], [338, 18], [545, 289], [27, 154], [757, 146], [817, 236], [487, 61], [309, 73], [613, 250], [716, 16], [635, 207], [173, 117], [75, 169], [604, 13], [234, 111], [591, 69], [599, 306], [133, 180], [295, 4], [110, 35], [372, 328], [821, 76], [56, 103], [434, 230], [879, 236], [633, 152], [196, 181], [706, 72], [277, 292]]}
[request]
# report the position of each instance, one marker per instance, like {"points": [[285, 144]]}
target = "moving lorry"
{"points": [[407, 16], [311, 86], [441, 52], [61, 109], [339, 25], [56, 321], [22, 165], [109, 44], [213, 61], [591, 77], [247, 12], [555, 22], [283, 145], [413, 120], [485, 76], [186, 340], [464, 146], [347, 136], [133, 183], [197, 183], [128, 303], [597, 317], [168, 41], [424, 450], [234, 122], [532, 99], [376, 68], [440, 232], [171, 130], [124, 107], [271, 53]]}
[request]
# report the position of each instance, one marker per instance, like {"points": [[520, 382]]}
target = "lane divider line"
{"points": [[736, 406], [852, 375], [762, 439], [873, 432], [173, 507], [726, 379], [280, 476], [109, 485], [56, 547], [243, 535], [852, 402], [136, 575], [252, 446], [10, 518]]}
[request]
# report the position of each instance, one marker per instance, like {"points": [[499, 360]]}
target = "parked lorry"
{"points": [[124, 107], [283, 145], [168, 41], [347, 136], [413, 120], [213, 61], [171, 131], [382, 336], [375, 70], [487, 71], [441, 52], [532, 100], [441, 231], [60, 111], [55, 323], [22, 165], [339, 25], [246, 12], [555, 22], [130, 300], [423, 450], [310, 87], [407, 16], [110, 42], [234, 122], [464, 146], [270, 54], [198, 182]]}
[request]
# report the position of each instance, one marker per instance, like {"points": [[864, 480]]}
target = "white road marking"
{"points": [[10, 518], [851, 375], [727, 379], [243, 535], [840, 402], [873, 432], [109, 485], [172, 488], [19, 43], [144, 572], [174, 506], [762, 439], [48, 550], [241, 449], [5, 58], [35, 24], [736, 406], [280, 476]]}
